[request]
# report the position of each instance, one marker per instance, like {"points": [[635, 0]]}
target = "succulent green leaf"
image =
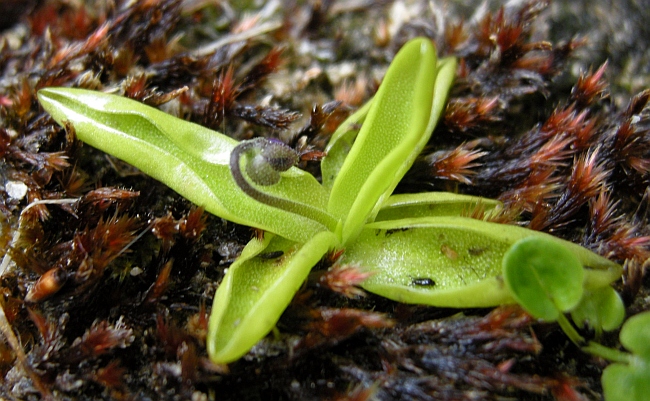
{"points": [[256, 289], [447, 261], [431, 204], [398, 125], [190, 159], [432, 261], [601, 309], [544, 277]]}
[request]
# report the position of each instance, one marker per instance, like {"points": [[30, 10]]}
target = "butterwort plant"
{"points": [[418, 246]]}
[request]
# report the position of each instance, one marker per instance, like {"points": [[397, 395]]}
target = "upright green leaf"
{"points": [[398, 125], [192, 160]]}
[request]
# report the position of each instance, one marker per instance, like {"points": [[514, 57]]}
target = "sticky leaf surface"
{"points": [[256, 289], [190, 159], [394, 132], [448, 261]]}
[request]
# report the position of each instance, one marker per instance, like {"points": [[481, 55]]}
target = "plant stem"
{"points": [[570, 331], [610, 354]]}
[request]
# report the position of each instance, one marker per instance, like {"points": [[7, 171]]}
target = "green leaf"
{"points": [[398, 125], [635, 335], [627, 382], [601, 309], [447, 261], [431, 204], [256, 289], [433, 261], [190, 159], [340, 144], [544, 276]]}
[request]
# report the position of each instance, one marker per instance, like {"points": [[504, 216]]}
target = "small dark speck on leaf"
{"points": [[423, 282], [271, 255]]}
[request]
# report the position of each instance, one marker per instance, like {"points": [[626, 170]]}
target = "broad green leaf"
{"points": [[627, 382], [398, 125], [430, 204], [601, 309], [256, 289], [431, 261], [544, 276], [447, 261], [190, 159], [635, 335]]}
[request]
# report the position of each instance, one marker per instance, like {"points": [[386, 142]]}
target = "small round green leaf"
{"points": [[631, 381], [635, 335], [601, 309], [626, 382], [544, 277]]}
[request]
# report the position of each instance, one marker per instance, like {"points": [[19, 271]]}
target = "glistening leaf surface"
{"points": [[257, 289], [190, 159], [458, 258], [453, 261], [393, 133]]}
